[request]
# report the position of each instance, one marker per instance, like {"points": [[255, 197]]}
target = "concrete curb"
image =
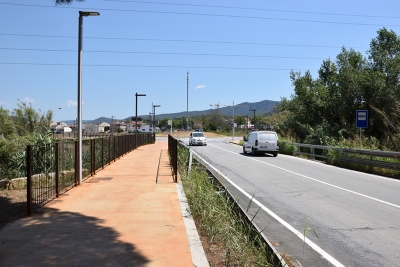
{"points": [[196, 248]]}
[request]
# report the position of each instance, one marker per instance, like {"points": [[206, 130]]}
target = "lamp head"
{"points": [[88, 13]]}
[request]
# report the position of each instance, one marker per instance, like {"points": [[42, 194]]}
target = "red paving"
{"points": [[119, 217]]}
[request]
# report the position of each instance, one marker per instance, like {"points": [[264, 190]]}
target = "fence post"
{"points": [[57, 158], [93, 156], [102, 152], [29, 179], [114, 150]]}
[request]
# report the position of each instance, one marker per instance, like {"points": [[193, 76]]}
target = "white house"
{"points": [[91, 128], [102, 125]]}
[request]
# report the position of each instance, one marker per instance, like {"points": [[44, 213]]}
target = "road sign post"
{"points": [[361, 121]]}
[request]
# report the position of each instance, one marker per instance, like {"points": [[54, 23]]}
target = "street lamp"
{"points": [[154, 114], [81, 15], [187, 101], [254, 118], [136, 119]]}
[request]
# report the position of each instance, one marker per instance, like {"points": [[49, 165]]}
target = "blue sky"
{"points": [[239, 51]]}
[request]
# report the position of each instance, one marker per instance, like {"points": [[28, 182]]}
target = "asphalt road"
{"points": [[350, 218]]}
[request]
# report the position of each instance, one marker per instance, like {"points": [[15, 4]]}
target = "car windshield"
{"points": [[198, 135]]}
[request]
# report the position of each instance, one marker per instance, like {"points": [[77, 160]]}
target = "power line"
{"points": [[150, 66], [174, 40], [154, 53], [254, 9], [215, 15]]}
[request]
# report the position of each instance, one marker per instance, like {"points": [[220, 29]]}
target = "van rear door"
{"points": [[267, 141]]}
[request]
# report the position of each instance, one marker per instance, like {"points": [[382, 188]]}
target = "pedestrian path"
{"points": [[119, 217]]}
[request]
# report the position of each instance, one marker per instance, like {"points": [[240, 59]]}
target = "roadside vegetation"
{"points": [[19, 128], [231, 239]]}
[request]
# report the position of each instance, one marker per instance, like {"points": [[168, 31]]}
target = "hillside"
{"points": [[243, 109]]}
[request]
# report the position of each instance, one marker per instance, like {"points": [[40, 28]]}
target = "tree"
{"points": [[240, 120], [163, 123], [29, 121], [7, 127]]}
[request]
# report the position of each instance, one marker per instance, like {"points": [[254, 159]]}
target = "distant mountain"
{"points": [[261, 108], [243, 109]]}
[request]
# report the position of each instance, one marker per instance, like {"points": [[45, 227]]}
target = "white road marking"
{"points": [[319, 181], [314, 246]]}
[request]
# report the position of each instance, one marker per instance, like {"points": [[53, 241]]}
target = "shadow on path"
{"points": [[56, 238]]}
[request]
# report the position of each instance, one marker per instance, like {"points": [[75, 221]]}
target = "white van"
{"points": [[261, 142]]}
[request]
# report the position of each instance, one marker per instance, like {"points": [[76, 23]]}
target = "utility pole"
{"points": [[247, 124], [112, 123], [254, 118], [233, 119], [187, 101]]}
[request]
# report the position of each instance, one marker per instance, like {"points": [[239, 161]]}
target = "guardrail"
{"points": [[52, 168], [373, 158]]}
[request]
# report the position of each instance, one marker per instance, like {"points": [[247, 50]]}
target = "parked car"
{"points": [[261, 142], [197, 138]]}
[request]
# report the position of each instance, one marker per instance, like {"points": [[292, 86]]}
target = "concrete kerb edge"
{"points": [[199, 258]]}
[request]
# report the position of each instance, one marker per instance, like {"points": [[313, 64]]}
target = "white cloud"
{"points": [[71, 103], [27, 100], [3, 103], [200, 87]]}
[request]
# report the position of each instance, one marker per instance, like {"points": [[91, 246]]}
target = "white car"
{"points": [[197, 138]]}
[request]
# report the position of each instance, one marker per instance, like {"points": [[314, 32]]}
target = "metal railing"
{"points": [[173, 155], [372, 158], [52, 168], [221, 188]]}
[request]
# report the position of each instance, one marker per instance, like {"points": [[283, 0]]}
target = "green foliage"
{"points": [[29, 121], [324, 108], [7, 128], [217, 215], [25, 126], [285, 147], [240, 120]]}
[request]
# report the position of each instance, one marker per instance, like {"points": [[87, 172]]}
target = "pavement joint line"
{"points": [[196, 248]]}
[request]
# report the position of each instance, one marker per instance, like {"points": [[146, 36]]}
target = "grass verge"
{"points": [[218, 216]]}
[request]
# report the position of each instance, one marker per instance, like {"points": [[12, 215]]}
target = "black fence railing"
{"points": [[52, 168], [173, 155]]}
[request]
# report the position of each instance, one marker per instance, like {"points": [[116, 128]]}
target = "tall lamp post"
{"points": [[136, 119], [81, 15], [233, 119], [154, 114], [187, 101], [254, 118]]}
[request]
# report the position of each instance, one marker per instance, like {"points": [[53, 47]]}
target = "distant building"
{"points": [[198, 125]]}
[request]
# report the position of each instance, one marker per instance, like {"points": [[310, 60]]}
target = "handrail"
{"points": [[158, 168], [349, 155]]}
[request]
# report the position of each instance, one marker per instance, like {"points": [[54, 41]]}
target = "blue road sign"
{"points": [[362, 118]]}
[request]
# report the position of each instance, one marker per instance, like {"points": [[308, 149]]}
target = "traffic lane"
{"points": [[332, 213], [383, 189]]}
